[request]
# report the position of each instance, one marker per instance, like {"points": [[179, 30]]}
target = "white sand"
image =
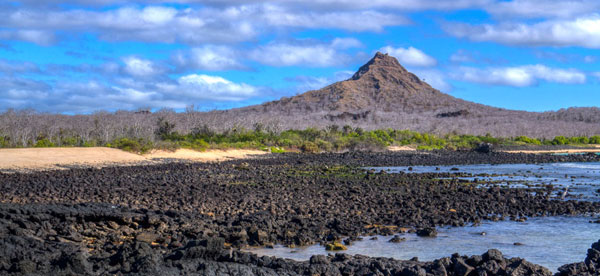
{"points": [[56, 158], [401, 148]]}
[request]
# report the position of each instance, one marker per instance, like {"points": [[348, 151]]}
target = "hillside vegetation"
{"points": [[334, 138]]}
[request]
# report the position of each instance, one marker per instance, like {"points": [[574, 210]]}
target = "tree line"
{"points": [[142, 131]]}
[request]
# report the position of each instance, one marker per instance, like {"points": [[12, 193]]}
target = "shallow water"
{"points": [[547, 241], [581, 179]]}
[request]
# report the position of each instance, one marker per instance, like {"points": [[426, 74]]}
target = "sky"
{"points": [[83, 56]]}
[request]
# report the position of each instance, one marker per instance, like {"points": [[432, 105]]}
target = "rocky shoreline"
{"points": [[191, 218]]}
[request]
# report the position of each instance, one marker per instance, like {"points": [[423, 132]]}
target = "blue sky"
{"points": [[83, 56]]}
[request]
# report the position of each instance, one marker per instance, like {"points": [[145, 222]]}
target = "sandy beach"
{"points": [[58, 158]]}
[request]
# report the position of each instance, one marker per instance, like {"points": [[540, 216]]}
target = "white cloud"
{"points": [[289, 55], [139, 67], [410, 56], [461, 56], [11, 67], [213, 87], [277, 15], [346, 43], [407, 4], [306, 53], [36, 36], [582, 31], [209, 57], [433, 77], [543, 8], [519, 76], [89, 96], [306, 83], [590, 59], [193, 25], [158, 15], [315, 4], [151, 23]]}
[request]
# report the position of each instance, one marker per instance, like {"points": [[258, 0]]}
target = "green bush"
{"points": [[139, 145], [69, 141], [528, 140], [429, 148], [92, 143], [199, 144], [4, 143], [579, 140], [324, 145], [166, 145], [44, 143], [310, 147], [165, 130], [560, 140], [594, 139]]}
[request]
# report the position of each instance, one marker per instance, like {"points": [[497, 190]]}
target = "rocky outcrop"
{"points": [[179, 218], [591, 265]]}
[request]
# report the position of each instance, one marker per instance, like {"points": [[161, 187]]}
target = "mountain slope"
{"points": [[381, 85], [382, 94]]}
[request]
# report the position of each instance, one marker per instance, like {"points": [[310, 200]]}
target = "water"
{"points": [[549, 241], [581, 179]]}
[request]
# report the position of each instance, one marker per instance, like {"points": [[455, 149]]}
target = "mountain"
{"points": [[381, 85], [382, 94]]}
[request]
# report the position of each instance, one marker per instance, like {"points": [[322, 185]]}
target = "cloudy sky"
{"points": [[81, 56]]}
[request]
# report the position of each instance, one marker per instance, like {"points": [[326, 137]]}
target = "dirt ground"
{"points": [[59, 158]]}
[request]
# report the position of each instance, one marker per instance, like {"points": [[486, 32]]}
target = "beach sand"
{"points": [[60, 158]]}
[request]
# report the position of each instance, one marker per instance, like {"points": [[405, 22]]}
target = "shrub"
{"points": [[89, 143], [579, 140], [324, 145], [528, 140], [429, 148], [199, 144], [310, 147], [166, 145], [44, 143], [69, 141], [595, 139], [165, 129], [132, 145], [277, 150], [4, 143], [560, 140]]}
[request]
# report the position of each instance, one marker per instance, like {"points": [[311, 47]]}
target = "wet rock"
{"points": [[427, 232], [494, 255], [397, 239], [319, 259], [483, 148], [461, 268], [335, 246], [271, 201], [258, 237]]}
